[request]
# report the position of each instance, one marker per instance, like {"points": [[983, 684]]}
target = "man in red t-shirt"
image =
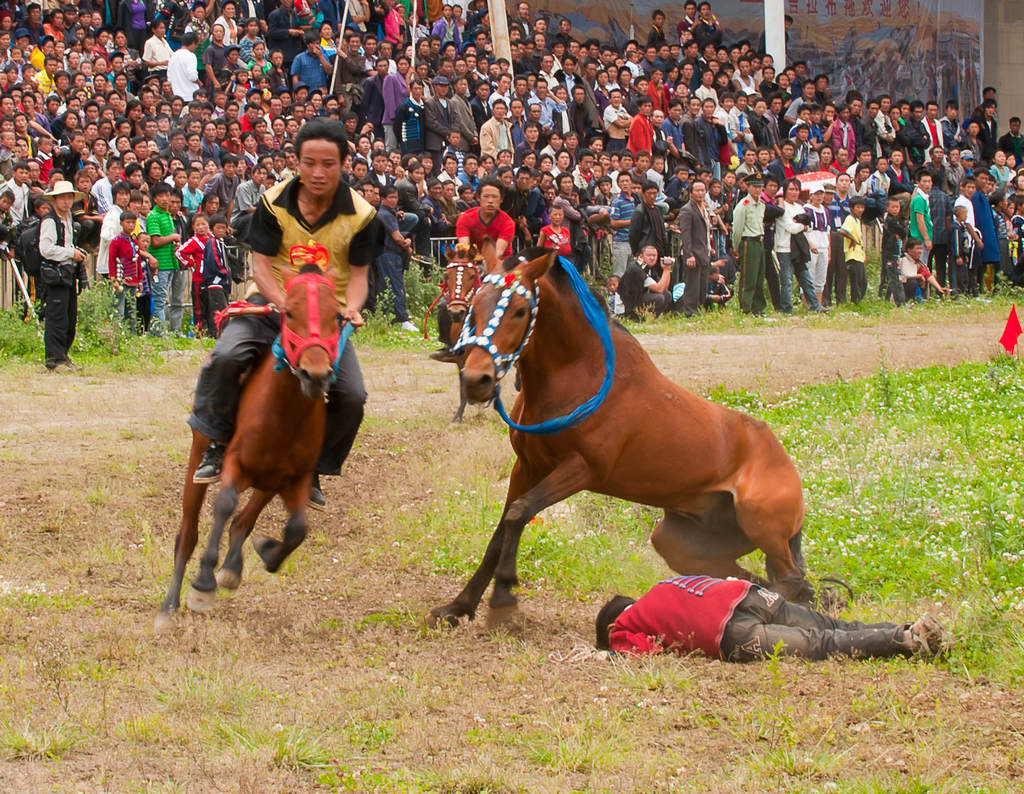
{"points": [[740, 622], [474, 226], [487, 220]]}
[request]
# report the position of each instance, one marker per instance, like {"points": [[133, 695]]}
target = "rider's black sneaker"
{"points": [[316, 496], [209, 468], [446, 355]]}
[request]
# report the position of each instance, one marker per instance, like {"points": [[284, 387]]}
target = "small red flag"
{"points": [[1013, 329]]}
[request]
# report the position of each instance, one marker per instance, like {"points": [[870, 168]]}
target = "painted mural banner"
{"points": [[930, 49]]}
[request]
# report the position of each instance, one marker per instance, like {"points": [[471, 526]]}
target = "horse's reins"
{"points": [[510, 284], [454, 300]]}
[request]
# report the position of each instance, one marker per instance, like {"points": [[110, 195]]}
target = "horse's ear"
{"points": [[332, 274], [287, 274], [533, 269], [488, 252]]}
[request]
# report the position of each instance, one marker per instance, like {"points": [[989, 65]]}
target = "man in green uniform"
{"points": [[748, 246]]}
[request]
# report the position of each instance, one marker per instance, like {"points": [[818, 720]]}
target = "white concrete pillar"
{"points": [[775, 32], [499, 29]]}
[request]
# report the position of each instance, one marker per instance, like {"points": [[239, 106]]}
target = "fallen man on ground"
{"points": [[739, 621]]}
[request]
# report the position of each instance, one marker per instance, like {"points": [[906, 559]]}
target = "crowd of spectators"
{"points": [[183, 114]]}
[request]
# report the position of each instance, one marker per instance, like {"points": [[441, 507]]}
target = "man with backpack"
{"points": [[62, 272]]}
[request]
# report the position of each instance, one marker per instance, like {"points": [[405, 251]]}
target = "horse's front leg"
{"points": [[188, 534], [570, 476], [465, 603], [462, 398], [230, 574], [203, 593], [296, 496], [525, 499]]}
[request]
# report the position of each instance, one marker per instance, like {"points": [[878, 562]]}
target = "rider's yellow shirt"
{"points": [[348, 230]]}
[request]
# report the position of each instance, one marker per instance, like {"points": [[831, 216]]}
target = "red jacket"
{"points": [[641, 135], [687, 613], [191, 255]]}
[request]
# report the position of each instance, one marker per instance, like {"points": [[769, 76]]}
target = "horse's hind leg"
{"points": [[706, 543], [188, 534], [770, 509], [274, 552], [230, 574]]}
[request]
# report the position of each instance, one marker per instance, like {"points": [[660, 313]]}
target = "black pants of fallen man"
{"points": [[764, 621]]}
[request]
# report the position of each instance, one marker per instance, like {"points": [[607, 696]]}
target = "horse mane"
{"points": [[310, 267]]}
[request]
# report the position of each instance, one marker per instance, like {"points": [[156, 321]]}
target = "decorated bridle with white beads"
{"points": [[464, 271], [510, 285]]}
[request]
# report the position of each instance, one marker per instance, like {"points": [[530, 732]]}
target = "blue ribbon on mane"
{"points": [[282, 358], [597, 320]]}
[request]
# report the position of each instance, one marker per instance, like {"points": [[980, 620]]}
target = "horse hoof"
{"points": [[498, 616], [446, 616], [228, 579], [201, 601], [267, 548], [163, 623], [831, 601]]}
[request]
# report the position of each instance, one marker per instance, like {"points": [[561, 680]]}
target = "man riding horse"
{"points": [[487, 221], [316, 204]]}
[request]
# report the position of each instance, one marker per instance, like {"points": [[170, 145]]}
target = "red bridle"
{"points": [[295, 345]]}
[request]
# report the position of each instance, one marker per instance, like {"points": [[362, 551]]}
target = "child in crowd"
{"points": [[555, 235], [894, 237], [852, 232], [718, 290], [817, 236], [190, 254], [962, 250], [915, 274], [615, 305], [216, 275], [126, 273]]}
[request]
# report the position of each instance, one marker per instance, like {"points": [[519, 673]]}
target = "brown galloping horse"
{"points": [[723, 479], [279, 429], [461, 280]]}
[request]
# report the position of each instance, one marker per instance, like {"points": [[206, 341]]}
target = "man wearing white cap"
{"points": [[62, 274]]}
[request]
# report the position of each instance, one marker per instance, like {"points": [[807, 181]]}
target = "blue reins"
{"points": [[599, 322]]}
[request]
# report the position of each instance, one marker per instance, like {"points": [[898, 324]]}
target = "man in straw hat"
{"points": [[62, 274]]}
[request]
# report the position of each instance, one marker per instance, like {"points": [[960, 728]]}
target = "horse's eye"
{"points": [[287, 314], [520, 312]]}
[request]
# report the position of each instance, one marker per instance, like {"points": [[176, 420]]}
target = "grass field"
{"points": [[324, 678]]}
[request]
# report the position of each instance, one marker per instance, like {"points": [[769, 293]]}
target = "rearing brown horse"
{"points": [[725, 482], [278, 433]]}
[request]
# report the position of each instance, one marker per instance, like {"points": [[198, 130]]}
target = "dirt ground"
{"points": [[771, 359], [323, 677]]}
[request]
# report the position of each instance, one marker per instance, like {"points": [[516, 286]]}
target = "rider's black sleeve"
{"points": [[366, 244], [264, 231]]}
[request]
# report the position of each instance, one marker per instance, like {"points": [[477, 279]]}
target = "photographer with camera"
{"points": [[646, 286], [62, 272]]}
